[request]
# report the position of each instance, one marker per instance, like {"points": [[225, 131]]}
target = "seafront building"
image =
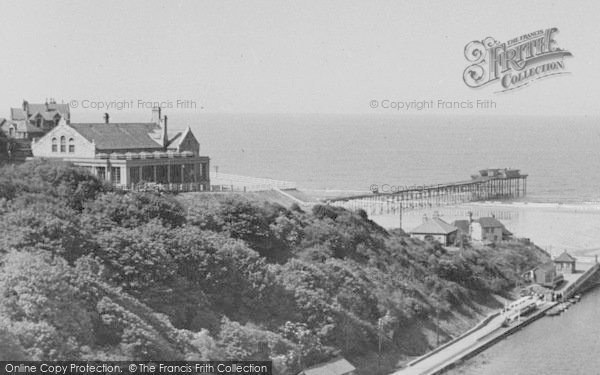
{"points": [[129, 155], [34, 120], [545, 275], [487, 229], [435, 229], [565, 263]]}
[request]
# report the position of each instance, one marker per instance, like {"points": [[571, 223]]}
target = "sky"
{"points": [[285, 56]]}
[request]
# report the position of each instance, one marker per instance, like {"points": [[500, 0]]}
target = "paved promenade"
{"points": [[487, 334], [472, 343]]}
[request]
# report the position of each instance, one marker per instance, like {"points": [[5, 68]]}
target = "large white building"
{"points": [[129, 154]]}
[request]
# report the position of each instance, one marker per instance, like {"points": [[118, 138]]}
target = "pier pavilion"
{"points": [[130, 155]]}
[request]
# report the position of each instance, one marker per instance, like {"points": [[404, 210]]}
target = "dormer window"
{"points": [[54, 145], [38, 122], [63, 144]]}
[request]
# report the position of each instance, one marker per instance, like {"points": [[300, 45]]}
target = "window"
{"points": [[71, 145], [54, 145], [148, 173], [11, 132], [162, 176], [38, 122], [188, 173], [115, 175], [101, 172], [63, 144], [134, 172]]}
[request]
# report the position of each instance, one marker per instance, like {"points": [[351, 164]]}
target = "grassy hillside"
{"points": [[224, 277]]}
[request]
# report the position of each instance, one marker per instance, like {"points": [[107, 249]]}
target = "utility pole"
{"points": [[390, 200], [400, 214]]}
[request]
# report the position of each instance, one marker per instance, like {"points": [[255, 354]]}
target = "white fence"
{"points": [[231, 182]]}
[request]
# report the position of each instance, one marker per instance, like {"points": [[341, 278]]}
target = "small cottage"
{"points": [[487, 229], [435, 229], [565, 263], [546, 275]]}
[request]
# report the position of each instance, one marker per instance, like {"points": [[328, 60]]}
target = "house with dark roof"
{"points": [[130, 154], [435, 229], [462, 226], [337, 366], [565, 263], [487, 229], [545, 275], [33, 120]]}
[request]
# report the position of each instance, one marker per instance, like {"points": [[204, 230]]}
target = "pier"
{"points": [[488, 184]]}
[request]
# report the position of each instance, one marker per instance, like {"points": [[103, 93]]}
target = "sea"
{"points": [[337, 154], [353, 152], [341, 154]]}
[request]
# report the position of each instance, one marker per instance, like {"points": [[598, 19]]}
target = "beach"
{"points": [[553, 227]]}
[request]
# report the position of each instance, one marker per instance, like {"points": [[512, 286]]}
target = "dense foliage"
{"points": [[91, 273]]}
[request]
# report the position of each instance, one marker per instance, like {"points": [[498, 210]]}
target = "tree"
{"points": [[40, 306]]}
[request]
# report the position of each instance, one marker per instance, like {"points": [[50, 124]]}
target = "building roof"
{"points": [[490, 222], [47, 110], [547, 266], [50, 115], [462, 225], [434, 226], [565, 258], [337, 366], [17, 114], [62, 108], [22, 126], [174, 139], [120, 136]]}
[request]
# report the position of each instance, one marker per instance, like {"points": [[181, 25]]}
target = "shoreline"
{"points": [[487, 333], [553, 227]]}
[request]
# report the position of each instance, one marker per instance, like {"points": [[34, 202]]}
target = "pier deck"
{"points": [[494, 184]]}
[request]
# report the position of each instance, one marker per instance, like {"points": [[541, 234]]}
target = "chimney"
{"points": [[25, 106], [165, 135], [106, 118], [156, 115]]}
